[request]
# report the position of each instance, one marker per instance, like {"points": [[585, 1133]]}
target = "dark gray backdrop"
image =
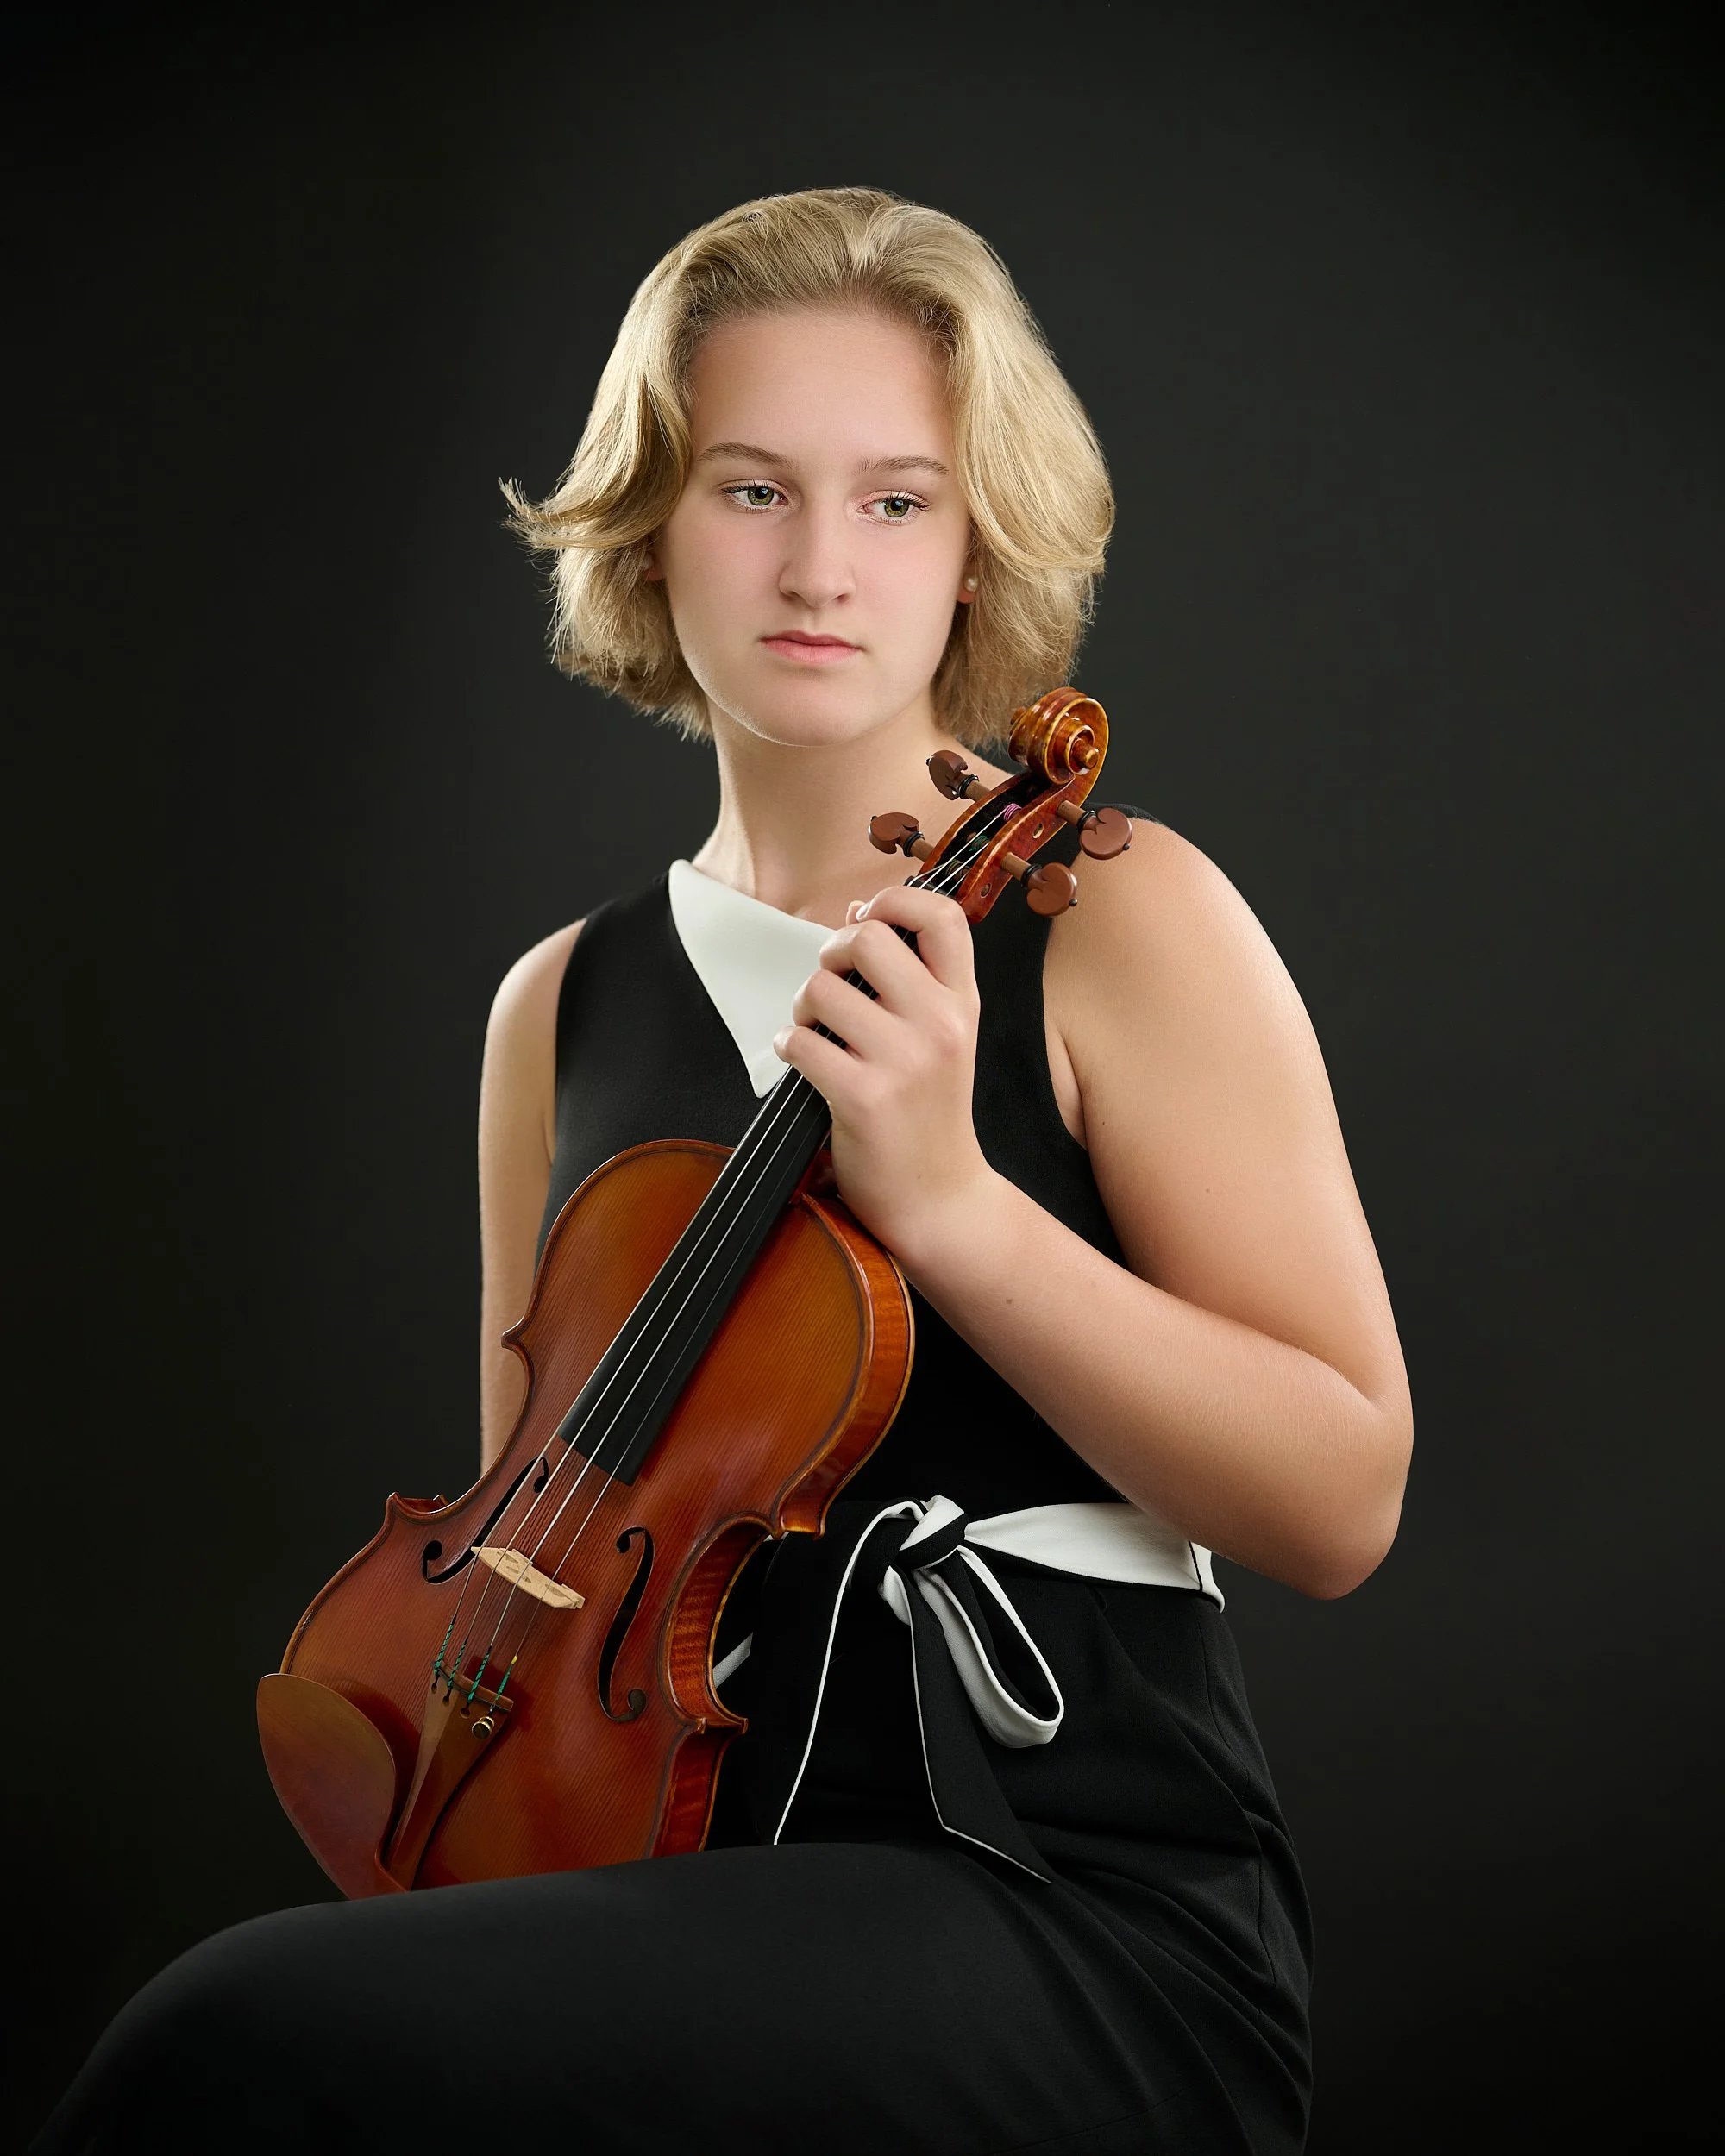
{"points": [[1402, 331]]}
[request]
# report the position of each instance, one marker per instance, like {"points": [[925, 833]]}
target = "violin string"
{"points": [[801, 1100], [608, 1477], [744, 1184], [769, 1136], [766, 1133], [949, 876], [946, 878], [753, 1143], [441, 1669]]}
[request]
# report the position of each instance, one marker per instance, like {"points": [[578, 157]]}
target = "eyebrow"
{"points": [[752, 452]]}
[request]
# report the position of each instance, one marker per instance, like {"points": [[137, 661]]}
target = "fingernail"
{"points": [[862, 909], [779, 1040]]}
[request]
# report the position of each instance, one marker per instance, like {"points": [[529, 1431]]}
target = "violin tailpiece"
{"points": [[454, 1741]]}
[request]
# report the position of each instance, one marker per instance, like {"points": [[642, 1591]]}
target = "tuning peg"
{"points": [[1052, 888], [953, 777], [896, 833], [1049, 889], [1104, 833]]}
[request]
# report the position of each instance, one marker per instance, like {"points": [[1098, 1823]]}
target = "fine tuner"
{"points": [[1051, 887]]}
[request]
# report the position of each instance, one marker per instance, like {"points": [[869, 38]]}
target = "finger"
{"points": [[939, 924], [891, 967], [827, 999], [828, 1068]]}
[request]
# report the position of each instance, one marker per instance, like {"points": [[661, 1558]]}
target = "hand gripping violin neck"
{"points": [[522, 1680]]}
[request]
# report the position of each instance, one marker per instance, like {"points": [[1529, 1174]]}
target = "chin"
{"points": [[813, 713]]}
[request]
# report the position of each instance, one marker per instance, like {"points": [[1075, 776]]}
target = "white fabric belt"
{"points": [[1099, 1542], [1102, 1542]]}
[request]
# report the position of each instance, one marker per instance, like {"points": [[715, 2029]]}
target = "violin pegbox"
{"points": [[1062, 740]]}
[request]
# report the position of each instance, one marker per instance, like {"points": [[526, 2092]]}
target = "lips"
{"points": [[803, 650]]}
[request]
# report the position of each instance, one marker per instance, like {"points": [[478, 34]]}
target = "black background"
{"points": [[1401, 328]]}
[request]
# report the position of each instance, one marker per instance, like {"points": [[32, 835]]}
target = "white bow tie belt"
{"points": [[976, 1668]]}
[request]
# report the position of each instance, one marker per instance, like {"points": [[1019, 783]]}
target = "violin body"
{"points": [[522, 1680], [378, 1765]]}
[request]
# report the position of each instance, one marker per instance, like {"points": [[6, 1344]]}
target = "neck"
{"points": [[793, 826]]}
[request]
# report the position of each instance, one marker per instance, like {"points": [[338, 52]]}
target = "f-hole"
{"points": [[620, 1624], [429, 1555]]}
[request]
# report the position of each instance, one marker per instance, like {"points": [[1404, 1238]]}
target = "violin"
{"points": [[522, 1680]]}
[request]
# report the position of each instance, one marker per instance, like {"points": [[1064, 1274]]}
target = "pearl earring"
{"points": [[970, 583]]}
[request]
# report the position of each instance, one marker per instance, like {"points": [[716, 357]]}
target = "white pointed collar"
{"points": [[750, 958]]}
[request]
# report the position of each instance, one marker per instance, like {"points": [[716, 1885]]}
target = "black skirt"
{"points": [[870, 1984]]}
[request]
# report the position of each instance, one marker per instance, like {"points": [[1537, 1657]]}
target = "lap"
{"points": [[873, 1996]]}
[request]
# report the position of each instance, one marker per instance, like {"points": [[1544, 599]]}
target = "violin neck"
{"points": [[789, 1128]]}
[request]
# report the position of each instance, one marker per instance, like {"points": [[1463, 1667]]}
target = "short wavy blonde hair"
{"points": [[1029, 462]]}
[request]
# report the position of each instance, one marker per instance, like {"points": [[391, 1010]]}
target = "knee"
{"points": [[200, 2059], [205, 2001]]}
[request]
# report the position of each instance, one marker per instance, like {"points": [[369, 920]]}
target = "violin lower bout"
{"points": [[607, 1742]]}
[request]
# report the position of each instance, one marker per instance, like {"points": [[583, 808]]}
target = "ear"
{"points": [[652, 574]]}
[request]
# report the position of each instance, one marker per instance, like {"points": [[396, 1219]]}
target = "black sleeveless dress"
{"points": [[874, 1982]]}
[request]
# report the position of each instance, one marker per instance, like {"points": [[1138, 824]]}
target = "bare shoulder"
{"points": [[1164, 909], [1162, 960], [518, 1086], [517, 1145], [527, 993]]}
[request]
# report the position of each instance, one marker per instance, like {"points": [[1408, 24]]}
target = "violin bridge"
{"points": [[519, 1571]]}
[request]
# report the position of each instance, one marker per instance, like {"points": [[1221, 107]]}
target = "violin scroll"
{"points": [[1061, 736], [1062, 740]]}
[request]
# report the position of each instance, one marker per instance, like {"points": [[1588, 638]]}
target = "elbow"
{"points": [[1330, 1559], [1343, 1570], [1351, 1550]]}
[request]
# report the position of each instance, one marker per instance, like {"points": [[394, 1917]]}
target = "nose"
{"points": [[817, 570]]}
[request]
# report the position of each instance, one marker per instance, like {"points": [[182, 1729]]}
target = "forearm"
{"points": [[1254, 1448]]}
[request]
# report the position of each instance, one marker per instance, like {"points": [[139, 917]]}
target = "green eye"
{"points": [[897, 506], [758, 496]]}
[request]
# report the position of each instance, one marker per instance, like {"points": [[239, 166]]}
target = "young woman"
{"points": [[836, 509]]}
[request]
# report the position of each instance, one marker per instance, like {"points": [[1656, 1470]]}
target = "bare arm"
{"points": [[518, 1139], [1242, 1378]]}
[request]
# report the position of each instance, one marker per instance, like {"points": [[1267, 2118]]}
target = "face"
{"points": [[819, 548]]}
